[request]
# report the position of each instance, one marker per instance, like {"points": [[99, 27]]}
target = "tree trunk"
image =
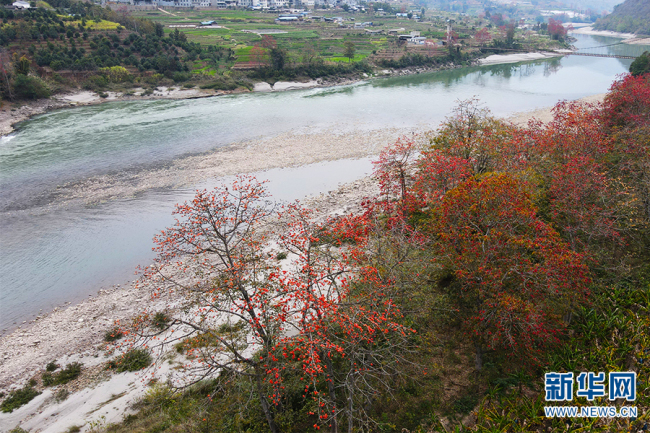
{"points": [[568, 317], [479, 357], [351, 404], [265, 404], [332, 391]]}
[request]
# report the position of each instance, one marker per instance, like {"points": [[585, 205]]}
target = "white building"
{"points": [[277, 4], [21, 5]]}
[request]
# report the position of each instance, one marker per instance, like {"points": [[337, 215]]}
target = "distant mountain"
{"points": [[633, 16]]}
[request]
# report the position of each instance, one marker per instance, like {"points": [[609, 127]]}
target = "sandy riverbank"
{"points": [[589, 30], [290, 149], [75, 334], [628, 38], [545, 114], [496, 59]]}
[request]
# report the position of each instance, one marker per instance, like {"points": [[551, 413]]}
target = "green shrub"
{"points": [[466, 403], [18, 398], [48, 379], [281, 255], [61, 395], [181, 76], [51, 366], [225, 83], [641, 65], [160, 320], [28, 87], [113, 335], [95, 83], [57, 65], [69, 373], [132, 360]]}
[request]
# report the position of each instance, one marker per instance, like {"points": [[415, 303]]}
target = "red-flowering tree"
{"points": [[483, 36], [242, 313], [472, 134], [269, 42], [212, 259], [258, 56], [343, 326], [556, 30], [510, 273], [569, 154], [438, 173], [627, 102], [626, 116], [393, 171]]}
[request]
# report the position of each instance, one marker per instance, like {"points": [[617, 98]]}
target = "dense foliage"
{"points": [[641, 65], [90, 45]]}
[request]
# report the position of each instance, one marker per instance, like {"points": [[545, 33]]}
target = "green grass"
{"points": [[357, 58], [301, 34], [205, 71]]}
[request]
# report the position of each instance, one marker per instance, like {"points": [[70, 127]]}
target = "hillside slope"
{"points": [[633, 16], [597, 5]]}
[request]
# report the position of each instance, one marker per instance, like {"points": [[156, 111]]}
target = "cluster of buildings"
{"points": [[252, 4]]}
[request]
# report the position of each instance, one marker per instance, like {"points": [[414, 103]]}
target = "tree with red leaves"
{"points": [[269, 42], [243, 314], [393, 171], [483, 36], [472, 134], [570, 157], [212, 257], [257, 56], [626, 117], [511, 274], [556, 30], [343, 326]]}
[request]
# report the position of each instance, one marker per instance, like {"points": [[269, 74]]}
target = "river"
{"points": [[51, 253]]}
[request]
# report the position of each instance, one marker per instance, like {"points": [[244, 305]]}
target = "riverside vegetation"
{"points": [[66, 44], [631, 16], [492, 254]]}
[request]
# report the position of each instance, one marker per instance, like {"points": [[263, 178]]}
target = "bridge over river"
{"points": [[597, 51], [614, 56]]}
